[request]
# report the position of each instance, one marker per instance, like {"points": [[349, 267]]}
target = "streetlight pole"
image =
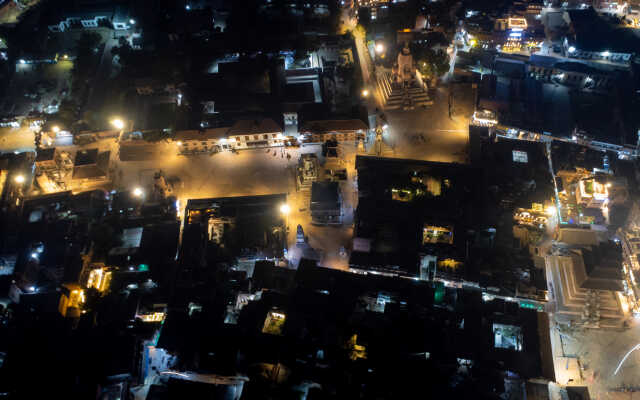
{"points": [[285, 210]]}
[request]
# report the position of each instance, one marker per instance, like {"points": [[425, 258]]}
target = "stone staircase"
{"points": [[396, 97]]}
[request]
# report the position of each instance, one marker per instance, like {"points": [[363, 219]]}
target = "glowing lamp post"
{"points": [[20, 179], [138, 192], [285, 210], [551, 210], [118, 123]]}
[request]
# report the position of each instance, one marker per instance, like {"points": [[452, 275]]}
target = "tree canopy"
{"points": [[85, 52], [430, 62]]}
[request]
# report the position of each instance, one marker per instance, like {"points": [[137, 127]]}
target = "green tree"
{"points": [[66, 114], [432, 63], [85, 53]]}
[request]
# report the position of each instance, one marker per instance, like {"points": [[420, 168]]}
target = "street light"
{"points": [[55, 129], [132, 21], [138, 192], [379, 48], [365, 93], [19, 179], [118, 123], [179, 143], [285, 209]]}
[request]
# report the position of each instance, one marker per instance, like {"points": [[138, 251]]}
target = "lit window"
{"points": [[520, 156], [152, 317], [507, 337], [274, 323]]}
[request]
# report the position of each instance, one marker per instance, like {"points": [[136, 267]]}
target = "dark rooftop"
{"points": [[86, 157], [604, 261], [249, 224], [45, 154], [398, 197], [325, 195], [327, 126], [96, 169], [594, 33]]}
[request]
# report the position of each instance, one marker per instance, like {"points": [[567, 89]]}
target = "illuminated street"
{"points": [[319, 199], [16, 139], [38, 87], [600, 353], [250, 172], [429, 133]]}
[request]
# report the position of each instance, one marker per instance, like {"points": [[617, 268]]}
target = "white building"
{"points": [[117, 18], [201, 142], [248, 133], [349, 130], [244, 134]]}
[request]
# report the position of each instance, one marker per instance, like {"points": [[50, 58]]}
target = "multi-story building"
{"points": [[577, 74], [249, 228], [91, 169], [341, 130], [200, 142], [116, 17], [249, 133], [46, 158], [326, 203], [590, 192]]}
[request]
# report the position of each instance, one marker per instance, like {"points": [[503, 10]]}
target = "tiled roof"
{"points": [[333, 126], [213, 133], [250, 127]]}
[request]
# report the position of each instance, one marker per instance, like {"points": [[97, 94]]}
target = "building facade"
{"points": [[202, 142], [248, 134], [117, 18], [340, 130]]}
